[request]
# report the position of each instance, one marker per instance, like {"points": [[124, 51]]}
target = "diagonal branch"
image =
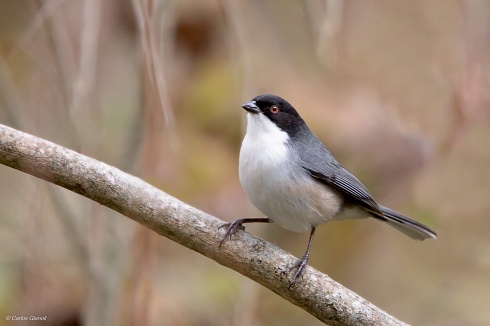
{"points": [[255, 258]]}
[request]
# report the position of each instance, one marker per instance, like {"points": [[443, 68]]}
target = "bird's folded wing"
{"points": [[348, 185]]}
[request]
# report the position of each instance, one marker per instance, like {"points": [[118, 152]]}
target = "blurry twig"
{"points": [[145, 14], [56, 31], [327, 18], [68, 219], [255, 258], [63, 54], [9, 97], [46, 9], [88, 53], [470, 96], [241, 47]]}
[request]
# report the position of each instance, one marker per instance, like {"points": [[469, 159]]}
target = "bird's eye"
{"points": [[274, 109]]}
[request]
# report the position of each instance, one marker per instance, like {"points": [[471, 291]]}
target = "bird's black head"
{"points": [[278, 110]]}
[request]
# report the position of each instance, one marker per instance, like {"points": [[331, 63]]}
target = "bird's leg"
{"points": [[237, 224], [301, 264]]}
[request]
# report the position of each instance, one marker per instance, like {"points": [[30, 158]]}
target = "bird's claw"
{"points": [[300, 267], [231, 228]]}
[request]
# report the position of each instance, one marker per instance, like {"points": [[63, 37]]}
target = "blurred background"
{"points": [[398, 90]]}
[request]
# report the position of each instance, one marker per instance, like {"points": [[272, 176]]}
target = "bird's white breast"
{"points": [[263, 152]]}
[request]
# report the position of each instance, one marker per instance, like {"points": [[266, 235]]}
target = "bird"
{"points": [[292, 178]]}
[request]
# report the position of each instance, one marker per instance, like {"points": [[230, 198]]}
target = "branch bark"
{"points": [[255, 258]]}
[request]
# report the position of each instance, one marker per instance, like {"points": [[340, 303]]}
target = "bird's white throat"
{"points": [[264, 143]]}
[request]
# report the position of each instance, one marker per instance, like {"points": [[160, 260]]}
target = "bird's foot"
{"points": [[300, 267], [231, 228]]}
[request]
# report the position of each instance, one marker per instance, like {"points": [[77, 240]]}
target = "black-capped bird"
{"points": [[291, 177]]}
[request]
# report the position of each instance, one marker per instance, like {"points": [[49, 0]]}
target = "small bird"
{"points": [[291, 177]]}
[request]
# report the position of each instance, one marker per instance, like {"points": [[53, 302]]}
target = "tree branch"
{"points": [[255, 258]]}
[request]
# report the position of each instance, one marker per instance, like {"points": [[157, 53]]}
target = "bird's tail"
{"points": [[407, 226]]}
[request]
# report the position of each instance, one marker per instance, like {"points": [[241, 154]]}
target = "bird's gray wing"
{"points": [[320, 164], [317, 160], [349, 186]]}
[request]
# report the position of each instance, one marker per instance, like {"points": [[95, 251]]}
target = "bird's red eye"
{"points": [[274, 109]]}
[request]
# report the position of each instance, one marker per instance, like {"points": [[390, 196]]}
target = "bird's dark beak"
{"points": [[251, 107]]}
